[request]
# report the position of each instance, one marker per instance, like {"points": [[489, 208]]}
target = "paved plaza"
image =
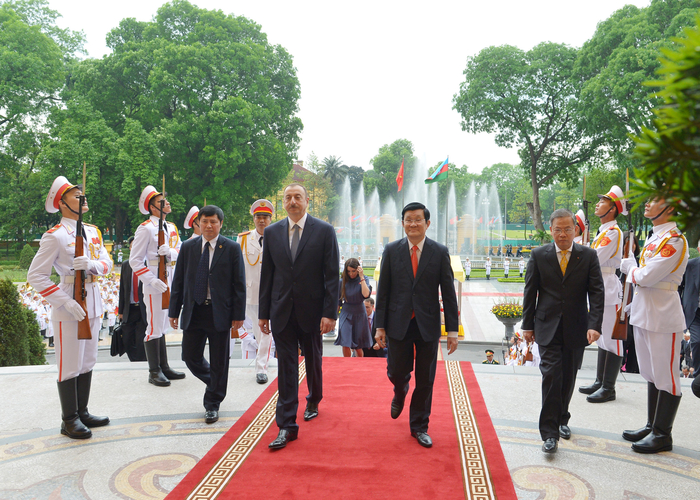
{"points": [[157, 434]]}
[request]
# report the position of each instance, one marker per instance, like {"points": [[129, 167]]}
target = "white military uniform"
{"points": [[57, 250], [144, 263], [506, 267], [468, 268], [252, 258], [487, 265], [608, 245], [657, 314], [521, 267], [578, 239], [249, 346]]}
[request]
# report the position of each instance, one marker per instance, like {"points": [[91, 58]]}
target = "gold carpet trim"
{"points": [[221, 473], [477, 480]]}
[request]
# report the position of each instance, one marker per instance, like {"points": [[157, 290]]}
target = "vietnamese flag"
{"points": [[399, 176], [454, 219], [440, 173]]}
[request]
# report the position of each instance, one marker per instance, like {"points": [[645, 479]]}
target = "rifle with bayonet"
{"points": [[620, 328], [162, 262], [79, 292]]}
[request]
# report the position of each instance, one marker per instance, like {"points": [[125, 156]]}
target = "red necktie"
{"points": [[135, 287], [414, 259], [414, 263]]}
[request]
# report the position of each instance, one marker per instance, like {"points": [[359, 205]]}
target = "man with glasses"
{"points": [[560, 277], [144, 263], [414, 271]]}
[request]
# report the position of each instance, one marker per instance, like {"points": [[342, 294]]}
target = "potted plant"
{"points": [[508, 312]]}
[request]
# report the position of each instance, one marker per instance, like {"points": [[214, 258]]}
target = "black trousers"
{"points": [[399, 368], [559, 365], [287, 342], [133, 333], [214, 373], [694, 329]]}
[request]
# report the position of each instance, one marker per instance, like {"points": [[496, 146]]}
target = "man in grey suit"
{"points": [[690, 298], [560, 277], [414, 270], [299, 300]]}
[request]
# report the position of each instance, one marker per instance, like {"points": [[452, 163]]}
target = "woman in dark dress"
{"points": [[353, 326]]}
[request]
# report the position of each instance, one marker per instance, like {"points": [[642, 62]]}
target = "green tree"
{"points": [[621, 55], [333, 169], [386, 164], [530, 100], [668, 151], [218, 98]]}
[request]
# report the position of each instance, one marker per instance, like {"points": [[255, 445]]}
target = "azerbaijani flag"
{"points": [[440, 173]]}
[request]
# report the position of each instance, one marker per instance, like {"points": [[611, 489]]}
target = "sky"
{"points": [[372, 72]]}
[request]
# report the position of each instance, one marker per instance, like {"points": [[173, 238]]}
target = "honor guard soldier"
{"points": [[521, 266], [192, 221], [75, 357], [251, 245], [144, 258], [506, 267], [489, 358], [580, 227], [658, 321], [609, 246], [487, 266], [468, 268]]}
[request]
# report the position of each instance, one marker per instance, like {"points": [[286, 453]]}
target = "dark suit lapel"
{"points": [[551, 259], [284, 226], [428, 249], [306, 234], [405, 257], [217, 251]]}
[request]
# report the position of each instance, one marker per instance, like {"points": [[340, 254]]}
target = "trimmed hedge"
{"points": [[26, 257], [20, 338]]}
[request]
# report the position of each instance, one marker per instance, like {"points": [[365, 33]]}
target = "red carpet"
{"points": [[354, 449]]}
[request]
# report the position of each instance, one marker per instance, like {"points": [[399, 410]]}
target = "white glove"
{"points": [[81, 263], [75, 309], [627, 264], [164, 250], [159, 286]]}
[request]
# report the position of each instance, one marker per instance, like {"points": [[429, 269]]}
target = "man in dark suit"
{"points": [[690, 298], [560, 277], [209, 287], [132, 314], [299, 300], [414, 270], [375, 351]]}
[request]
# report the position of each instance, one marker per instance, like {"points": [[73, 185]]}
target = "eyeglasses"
{"points": [[411, 222], [567, 230]]}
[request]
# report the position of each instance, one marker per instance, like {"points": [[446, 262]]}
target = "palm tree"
{"points": [[334, 170]]}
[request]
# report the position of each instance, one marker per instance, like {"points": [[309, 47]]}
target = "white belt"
{"points": [[71, 279], [155, 262], [662, 285], [607, 270]]}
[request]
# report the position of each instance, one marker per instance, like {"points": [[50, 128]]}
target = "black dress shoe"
{"points": [[398, 402], [423, 438], [564, 432], [211, 416], [311, 411], [550, 445], [261, 378], [283, 438]]}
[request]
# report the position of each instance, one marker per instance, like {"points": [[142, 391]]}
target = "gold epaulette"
{"points": [[243, 234], [53, 229], [145, 222]]}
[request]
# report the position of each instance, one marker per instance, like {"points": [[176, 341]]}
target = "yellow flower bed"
{"points": [[508, 310]]}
